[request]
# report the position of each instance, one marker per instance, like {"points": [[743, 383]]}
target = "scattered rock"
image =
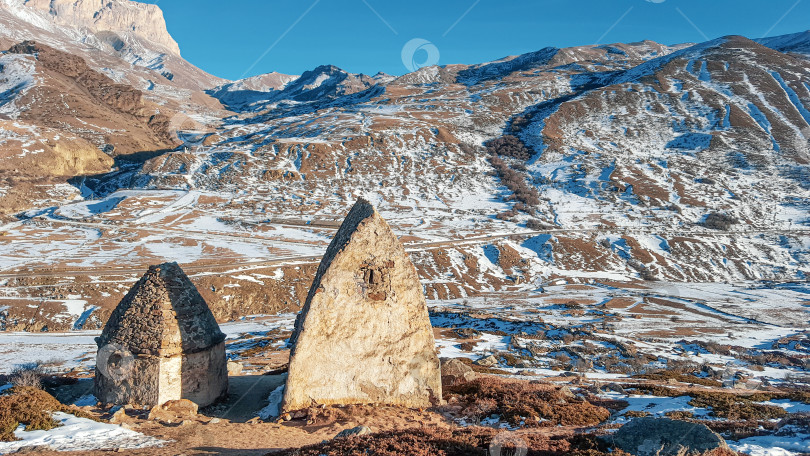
{"points": [[665, 437], [364, 335], [33, 449], [488, 361], [214, 421], [119, 416], [359, 430], [566, 392], [234, 368], [467, 333], [615, 387], [182, 407], [174, 411]]}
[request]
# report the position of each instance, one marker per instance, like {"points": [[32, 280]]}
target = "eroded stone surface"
{"points": [[455, 371], [161, 343], [663, 436], [364, 335]]}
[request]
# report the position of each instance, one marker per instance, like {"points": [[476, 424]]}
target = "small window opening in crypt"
{"points": [[377, 281]]}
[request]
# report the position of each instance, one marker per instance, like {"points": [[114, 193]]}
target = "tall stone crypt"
{"points": [[364, 334]]}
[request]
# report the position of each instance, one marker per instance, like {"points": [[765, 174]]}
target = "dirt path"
{"points": [[247, 394]]}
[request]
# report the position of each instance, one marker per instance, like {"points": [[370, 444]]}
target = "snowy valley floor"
{"points": [[659, 349]]}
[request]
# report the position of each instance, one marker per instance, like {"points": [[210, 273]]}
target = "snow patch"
{"points": [[80, 434]]}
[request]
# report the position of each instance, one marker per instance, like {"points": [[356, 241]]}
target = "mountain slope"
{"points": [[100, 76], [660, 140], [797, 44], [617, 163], [125, 39]]}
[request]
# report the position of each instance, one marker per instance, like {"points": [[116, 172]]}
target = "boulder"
{"points": [[488, 361], [614, 387], [359, 430], [363, 335], [234, 368], [119, 416], [566, 391], [455, 371], [665, 437]]}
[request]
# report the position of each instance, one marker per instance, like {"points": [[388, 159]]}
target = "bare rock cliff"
{"points": [[118, 16]]}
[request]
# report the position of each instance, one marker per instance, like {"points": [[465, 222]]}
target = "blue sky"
{"points": [[237, 38]]}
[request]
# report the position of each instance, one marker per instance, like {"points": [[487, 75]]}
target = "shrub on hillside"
{"points": [[506, 215], [718, 221], [679, 415], [516, 182], [736, 407], [519, 123], [509, 146], [28, 374], [683, 378], [536, 225]]}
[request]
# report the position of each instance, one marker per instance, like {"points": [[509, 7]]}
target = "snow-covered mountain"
{"points": [[84, 80], [130, 20], [322, 84], [125, 39], [663, 140], [636, 161], [797, 44]]}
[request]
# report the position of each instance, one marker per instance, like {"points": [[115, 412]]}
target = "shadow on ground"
{"points": [[247, 394]]}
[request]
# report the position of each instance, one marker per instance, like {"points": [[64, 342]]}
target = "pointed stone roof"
{"points": [[364, 334], [163, 314]]}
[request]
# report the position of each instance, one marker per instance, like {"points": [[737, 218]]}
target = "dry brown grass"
{"points": [[31, 407], [28, 374], [682, 415], [523, 403], [468, 441], [736, 407], [636, 414]]}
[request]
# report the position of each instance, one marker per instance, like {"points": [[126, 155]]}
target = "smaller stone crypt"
{"points": [[161, 343]]}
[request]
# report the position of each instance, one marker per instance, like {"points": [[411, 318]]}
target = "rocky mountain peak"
{"points": [[123, 17]]}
